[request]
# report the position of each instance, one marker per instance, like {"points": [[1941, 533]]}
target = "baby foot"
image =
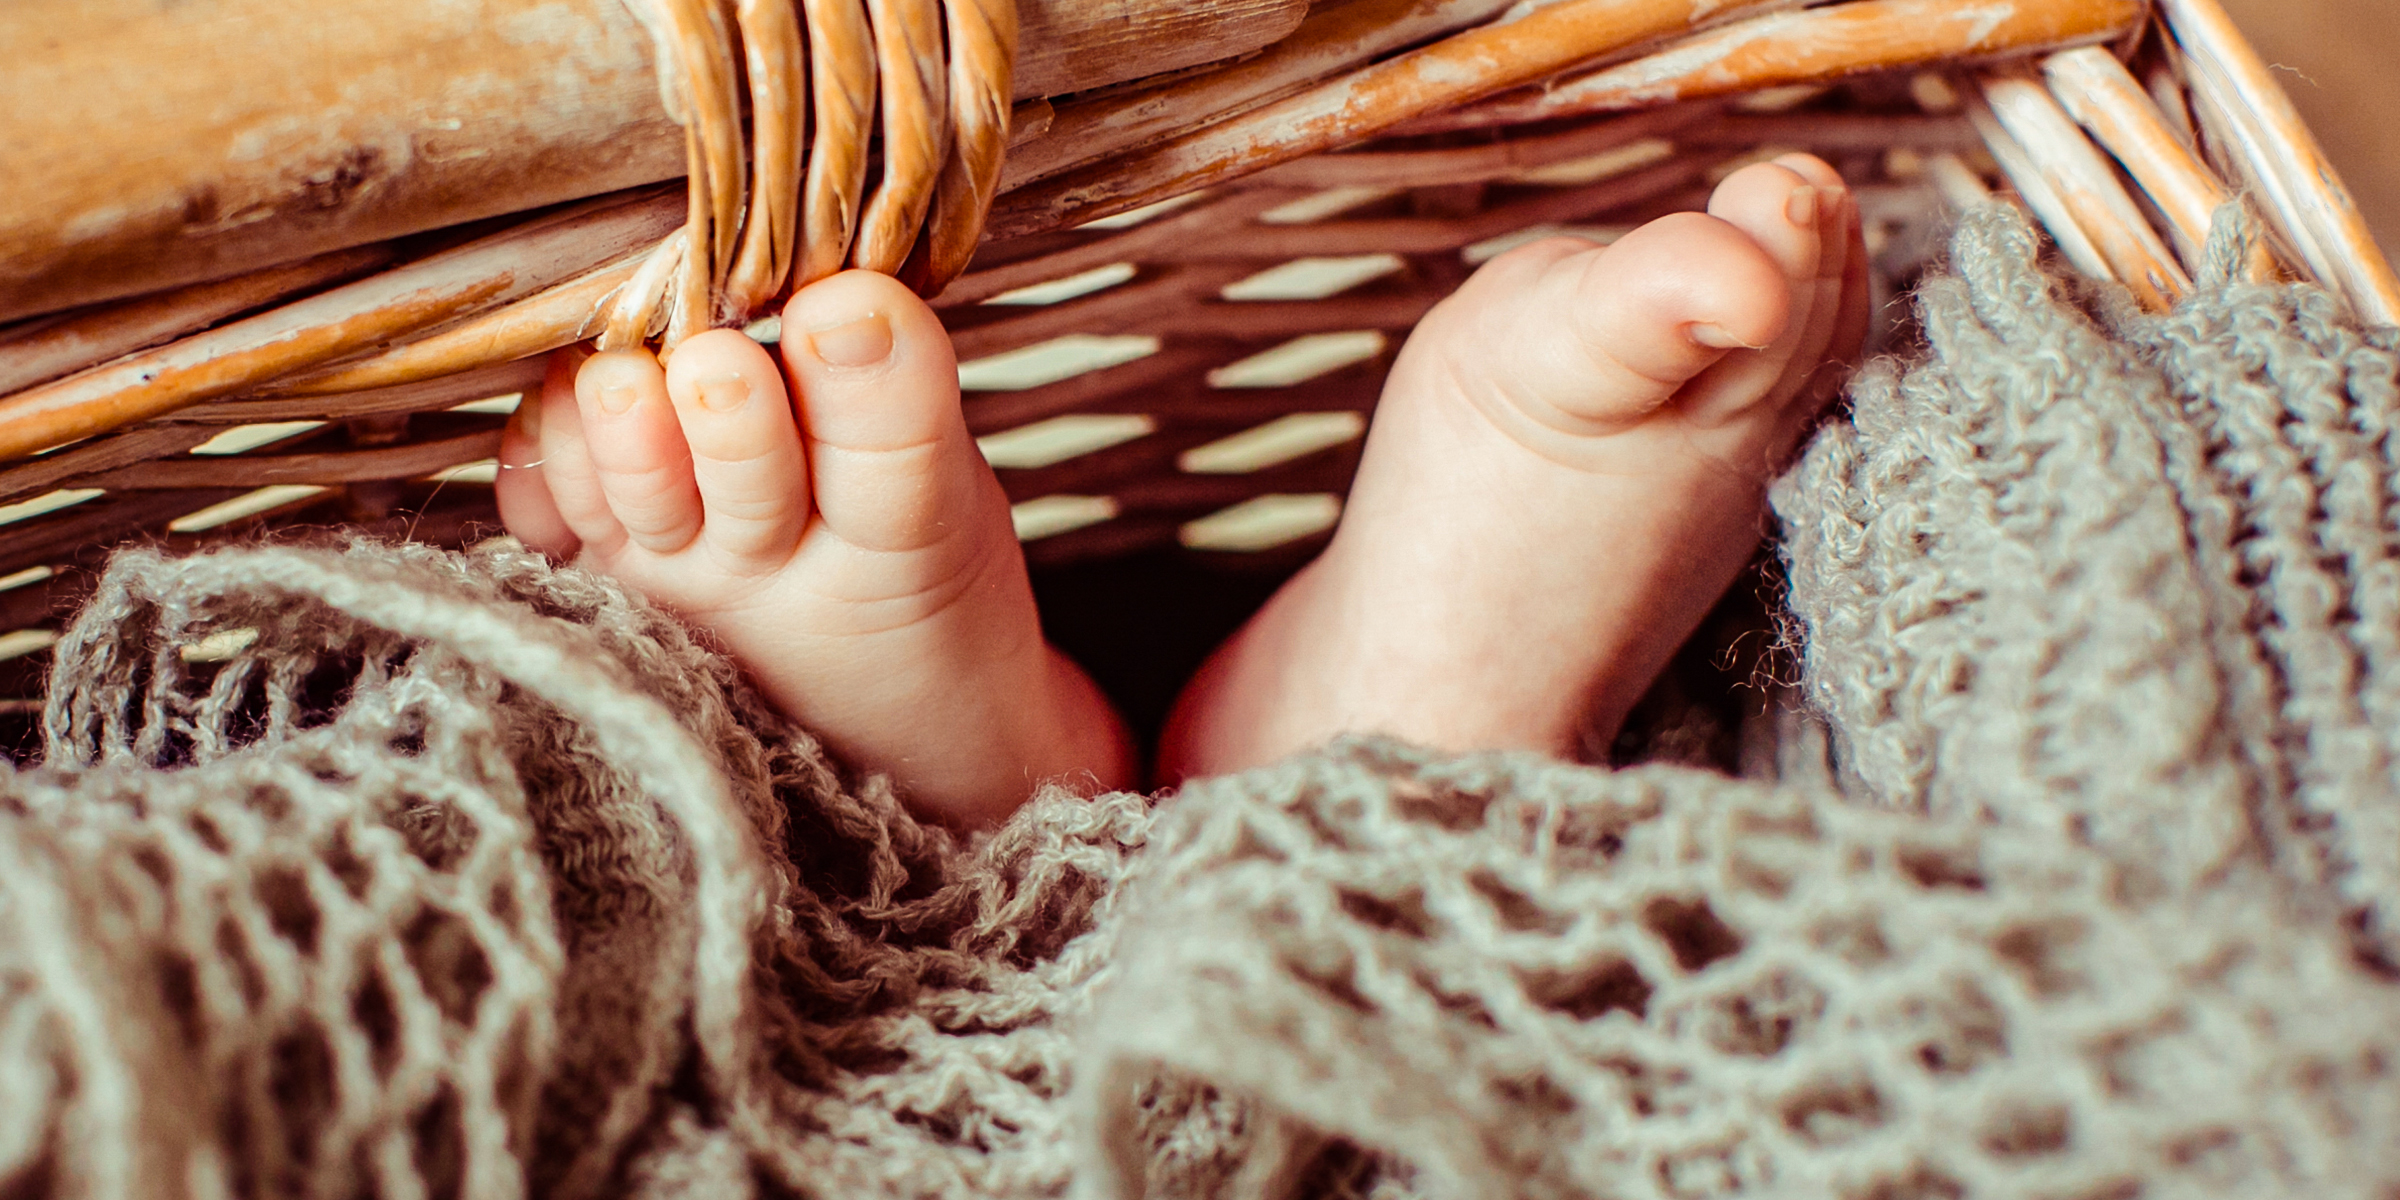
{"points": [[1567, 468], [852, 550]]}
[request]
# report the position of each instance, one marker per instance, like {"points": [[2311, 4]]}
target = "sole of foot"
{"points": [[825, 516], [1566, 470]]}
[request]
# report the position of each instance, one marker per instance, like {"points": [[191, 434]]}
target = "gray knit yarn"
{"points": [[2139, 588], [465, 876]]}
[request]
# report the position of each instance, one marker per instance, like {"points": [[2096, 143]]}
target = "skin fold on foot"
{"points": [[826, 516], [1567, 469]]}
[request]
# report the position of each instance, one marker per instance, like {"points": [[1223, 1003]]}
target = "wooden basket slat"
{"points": [[1439, 187]]}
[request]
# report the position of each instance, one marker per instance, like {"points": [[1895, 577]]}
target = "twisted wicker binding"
{"points": [[943, 121], [1186, 293]]}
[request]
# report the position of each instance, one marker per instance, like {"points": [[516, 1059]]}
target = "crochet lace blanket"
{"points": [[375, 870]]}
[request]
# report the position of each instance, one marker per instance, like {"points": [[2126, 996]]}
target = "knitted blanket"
{"points": [[376, 870]]}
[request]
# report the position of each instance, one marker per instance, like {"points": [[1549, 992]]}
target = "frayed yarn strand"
{"points": [[357, 869]]}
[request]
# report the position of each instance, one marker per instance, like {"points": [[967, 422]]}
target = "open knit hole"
{"points": [[1764, 1017], [1692, 930], [451, 967], [179, 986], [375, 1014], [1937, 867], [2114, 1189], [1855, 938], [2028, 1131], [1966, 1030], [300, 1073], [1404, 913], [1448, 808], [438, 1151], [2214, 1153], [2041, 952], [1590, 993], [1332, 980], [1464, 1006], [1587, 837], [1918, 1182], [1833, 1111], [1533, 1093], [1514, 908], [282, 891], [1707, 1171]]}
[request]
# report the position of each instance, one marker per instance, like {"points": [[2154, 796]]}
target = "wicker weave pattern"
{"points": [[1194, 370]]}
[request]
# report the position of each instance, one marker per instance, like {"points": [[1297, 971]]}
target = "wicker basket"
{"points": [[1189, 288]]}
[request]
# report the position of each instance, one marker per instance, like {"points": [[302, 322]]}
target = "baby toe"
{"points": [[1796, 210], [1600, 339], [746, 458], [523, 488], [879, 409], [637, 450], [1783, 210]]}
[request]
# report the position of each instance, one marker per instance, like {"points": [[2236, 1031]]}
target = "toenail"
{"points": [[860, 342], [1801, 209], [617, 397], [723, 393], [1715, 337]]}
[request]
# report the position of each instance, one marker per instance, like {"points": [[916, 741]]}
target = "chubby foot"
{"points": [[833, 525], [1567, 468]]}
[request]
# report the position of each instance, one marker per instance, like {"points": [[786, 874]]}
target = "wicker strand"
{"points": [[983, 41], [842, 86], [752, 221]]}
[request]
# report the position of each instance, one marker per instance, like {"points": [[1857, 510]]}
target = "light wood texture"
{"points": [[2336, 57], [1336, 38], [2239, 100], [266, 470], [913, 85], [2104, 97], [2033, 187], [570, 312], [1456, 70], [151, 146], [246, 353], [2086, 190], [983, 39], [43, 351], [1813, 46], [429, 395]]}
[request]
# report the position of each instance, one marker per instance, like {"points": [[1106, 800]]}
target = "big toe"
{"points": [[1798, 211], [893, 465], [1598, 339]]}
